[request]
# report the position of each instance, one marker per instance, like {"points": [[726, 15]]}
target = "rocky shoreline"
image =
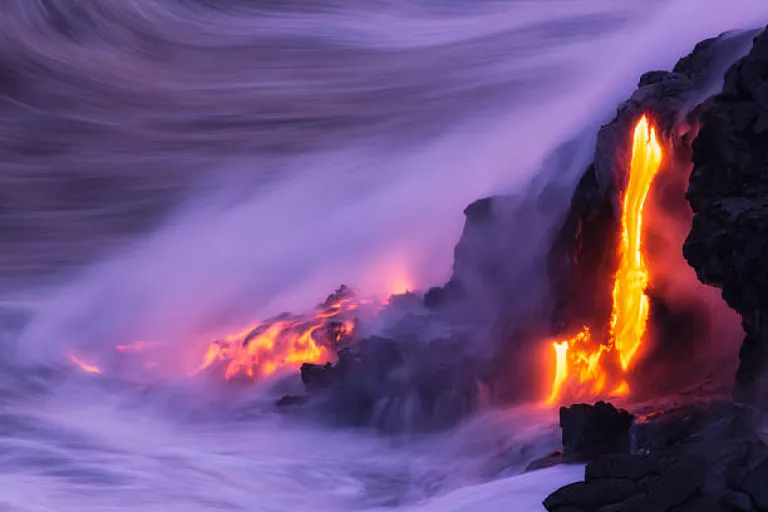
{"points": [[709, 455], [698, 457], [700, 453]]}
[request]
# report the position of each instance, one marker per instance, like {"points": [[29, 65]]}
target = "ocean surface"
{"points": [[176, 167]]}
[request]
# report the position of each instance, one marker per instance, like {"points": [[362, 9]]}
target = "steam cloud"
{"points": [[286, 168]]}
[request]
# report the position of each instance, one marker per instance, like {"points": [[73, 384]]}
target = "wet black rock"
{"points": [[628, 466], [291, 400], [728, 242], [593, 430], [394, 385], [316, 376], [713, 462], [499, 253], [502, 250], [590, 495]]}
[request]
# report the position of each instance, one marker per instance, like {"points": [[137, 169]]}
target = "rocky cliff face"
{"points": [[584, 252], [728, 242], [531, 265], [562, 254]]}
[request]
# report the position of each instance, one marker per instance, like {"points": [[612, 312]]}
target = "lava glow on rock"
{"points": [[584, 366], [282, 343], [287, 341]]}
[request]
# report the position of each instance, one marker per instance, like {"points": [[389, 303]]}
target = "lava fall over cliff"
{"points": [[585, 366]]}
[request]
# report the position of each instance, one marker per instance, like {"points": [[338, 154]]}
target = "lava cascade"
{"points": [[586, 366]]}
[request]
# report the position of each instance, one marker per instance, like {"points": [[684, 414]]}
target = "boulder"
{"points": [[633, 467], [713, 462], [593, 430], [590, 495]]}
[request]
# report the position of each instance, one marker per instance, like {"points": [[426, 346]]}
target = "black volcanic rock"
{"points": [[394, 385], [561, 251], [502, 252], [499, 253], [694, 458], [290, 400], [316, 376], [584, 250], [590, 495], [628, 466], [593, 430], [427, 382], [728, 242]]}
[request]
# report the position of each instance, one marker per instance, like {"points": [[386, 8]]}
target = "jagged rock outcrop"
{"points": [[560, 253], [697, 458], [585, 246], [500, 286], [728, 242], [593, 430], [393, 385], [516, 254]]}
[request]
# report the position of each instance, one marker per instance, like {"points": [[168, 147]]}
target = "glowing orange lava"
{"points": [[87, 368], [630, 302], [286, 341], [582, 365]]}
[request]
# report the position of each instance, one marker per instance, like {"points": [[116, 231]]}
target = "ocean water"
{"points": [[176, 167]]}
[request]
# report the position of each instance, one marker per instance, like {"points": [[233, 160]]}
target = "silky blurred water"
{"points": [[172, 164]]}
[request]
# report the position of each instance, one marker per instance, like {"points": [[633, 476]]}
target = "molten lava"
{"points": [[287, 341], [587, 366], [630, 302], [284, 342]]}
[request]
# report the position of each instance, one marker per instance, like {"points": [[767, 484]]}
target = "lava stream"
{"points": [[582, 364], [630, 302], [287, 341]]}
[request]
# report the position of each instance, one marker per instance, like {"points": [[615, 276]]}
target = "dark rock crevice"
{"points": [[728, 242]]}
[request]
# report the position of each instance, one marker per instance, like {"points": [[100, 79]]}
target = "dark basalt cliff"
{"points": [[704, 456], [526, 267], [728, 242], [584, 249], [696, 458]]}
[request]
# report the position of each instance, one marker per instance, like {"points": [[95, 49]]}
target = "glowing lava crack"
{"points": [[582, 366]]}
